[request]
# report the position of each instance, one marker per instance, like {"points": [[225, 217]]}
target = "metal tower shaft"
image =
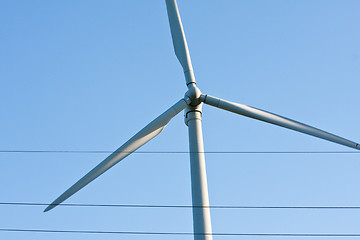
{"points": [[199, 188]]}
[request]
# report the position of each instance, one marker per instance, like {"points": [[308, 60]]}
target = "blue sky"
{"points": [[87, 75]]}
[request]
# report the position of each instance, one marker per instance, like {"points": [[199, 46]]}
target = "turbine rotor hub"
{"points": [[194, 94]]}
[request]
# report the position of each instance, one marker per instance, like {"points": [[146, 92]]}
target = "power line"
{"points": [[183, 233], [177, 206], [181, 152]]}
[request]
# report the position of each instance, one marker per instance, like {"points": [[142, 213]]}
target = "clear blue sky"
{"points": [[87, 75]]}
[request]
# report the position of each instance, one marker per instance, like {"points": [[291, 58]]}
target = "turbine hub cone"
{"points": [[194, 94]]}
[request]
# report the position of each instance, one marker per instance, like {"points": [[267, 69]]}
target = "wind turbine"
{"points": [[192, 104]]}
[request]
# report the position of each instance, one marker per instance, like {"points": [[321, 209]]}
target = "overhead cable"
{"points": [[182, 152], [177, 206], [183, 233]]}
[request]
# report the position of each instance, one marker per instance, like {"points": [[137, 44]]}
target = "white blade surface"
{"points": [[179, 40], [276, 119], [142, 137]]}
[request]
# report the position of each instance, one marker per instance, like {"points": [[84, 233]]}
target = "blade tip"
{"points": [[51, 206]]}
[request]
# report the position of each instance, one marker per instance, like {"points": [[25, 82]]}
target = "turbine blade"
{"points": [[142, 137], [276, 119], [179, 40]]}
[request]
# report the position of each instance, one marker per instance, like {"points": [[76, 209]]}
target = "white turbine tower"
{"points": [[192, 103]]}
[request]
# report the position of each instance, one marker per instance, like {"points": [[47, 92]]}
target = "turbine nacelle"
{"points": [[195, 104]]}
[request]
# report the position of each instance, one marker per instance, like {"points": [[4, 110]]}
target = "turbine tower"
{"points": [[192, 104]]}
